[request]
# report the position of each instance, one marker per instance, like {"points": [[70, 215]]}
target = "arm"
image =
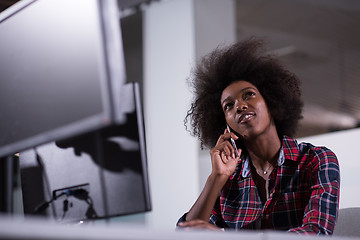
{"points": [[321, 212], [223, 165]]}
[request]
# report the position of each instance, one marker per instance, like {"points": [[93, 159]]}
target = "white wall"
{"points": [[344, 144], [172, 153]]}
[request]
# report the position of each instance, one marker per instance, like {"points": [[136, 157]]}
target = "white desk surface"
{"points": [[13, 228]]}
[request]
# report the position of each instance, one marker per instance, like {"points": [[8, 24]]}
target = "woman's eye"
{"points": [[227, 106], [249, 94]]}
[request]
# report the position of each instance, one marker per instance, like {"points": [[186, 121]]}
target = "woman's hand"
{"points": [[198, 224], [224, 161], [223, 156]]}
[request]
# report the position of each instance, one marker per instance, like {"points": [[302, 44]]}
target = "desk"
{"points": [[13, 228]]}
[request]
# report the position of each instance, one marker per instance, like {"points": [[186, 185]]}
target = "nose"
{"points": [[241, 106]]}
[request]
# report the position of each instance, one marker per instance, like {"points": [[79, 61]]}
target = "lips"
{"points": [[244, 117]]}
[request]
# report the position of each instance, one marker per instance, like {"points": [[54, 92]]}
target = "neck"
{"points": [[264, 149]]}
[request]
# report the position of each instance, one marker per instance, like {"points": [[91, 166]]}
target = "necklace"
{"points": [[266, 171]]}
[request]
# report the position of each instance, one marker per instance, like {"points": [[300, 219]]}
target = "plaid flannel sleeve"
{"points": [[215, 217], [321, 212]]}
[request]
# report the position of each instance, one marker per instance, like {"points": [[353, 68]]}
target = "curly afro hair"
{"points": [[245, 60]]}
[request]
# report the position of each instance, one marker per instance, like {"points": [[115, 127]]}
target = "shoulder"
{"points": [[320, 160], [323, 160], [320, 153], [304, 151]]}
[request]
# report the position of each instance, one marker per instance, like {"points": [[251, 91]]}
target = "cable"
{"points": [[65, 208]]}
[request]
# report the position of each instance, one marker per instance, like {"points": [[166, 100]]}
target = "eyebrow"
{"points": [[242, 90]]}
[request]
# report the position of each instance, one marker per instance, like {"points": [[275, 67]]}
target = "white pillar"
{"points": [[172, 152], [176, 32]]}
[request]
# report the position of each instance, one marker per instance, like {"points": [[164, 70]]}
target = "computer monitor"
{"points": [[61, 71], [100, 174], [65, 106]]}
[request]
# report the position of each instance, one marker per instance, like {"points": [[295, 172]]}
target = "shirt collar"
{"points": [[289, 150], [246, 166]]}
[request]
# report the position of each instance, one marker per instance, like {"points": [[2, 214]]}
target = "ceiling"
{"points": [[320, 42]]}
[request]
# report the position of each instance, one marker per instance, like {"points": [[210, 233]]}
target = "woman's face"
{"points": [[245, 110]]}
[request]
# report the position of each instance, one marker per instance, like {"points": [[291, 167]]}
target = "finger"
{"points": [[220, 145], [239, 152], [191, 223], [226, 149], [234, 136], [197, 224], [219, 150], [223, 137], [223, 157], [229, 149]]}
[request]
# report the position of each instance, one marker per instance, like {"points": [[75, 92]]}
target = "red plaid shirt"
{"points": [[304, 193]]}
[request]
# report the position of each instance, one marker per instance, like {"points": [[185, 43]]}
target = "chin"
{"points": [[244, 137], [248, 136]]}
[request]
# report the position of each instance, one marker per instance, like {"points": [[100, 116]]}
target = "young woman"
{"points": [[266, 180]]}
